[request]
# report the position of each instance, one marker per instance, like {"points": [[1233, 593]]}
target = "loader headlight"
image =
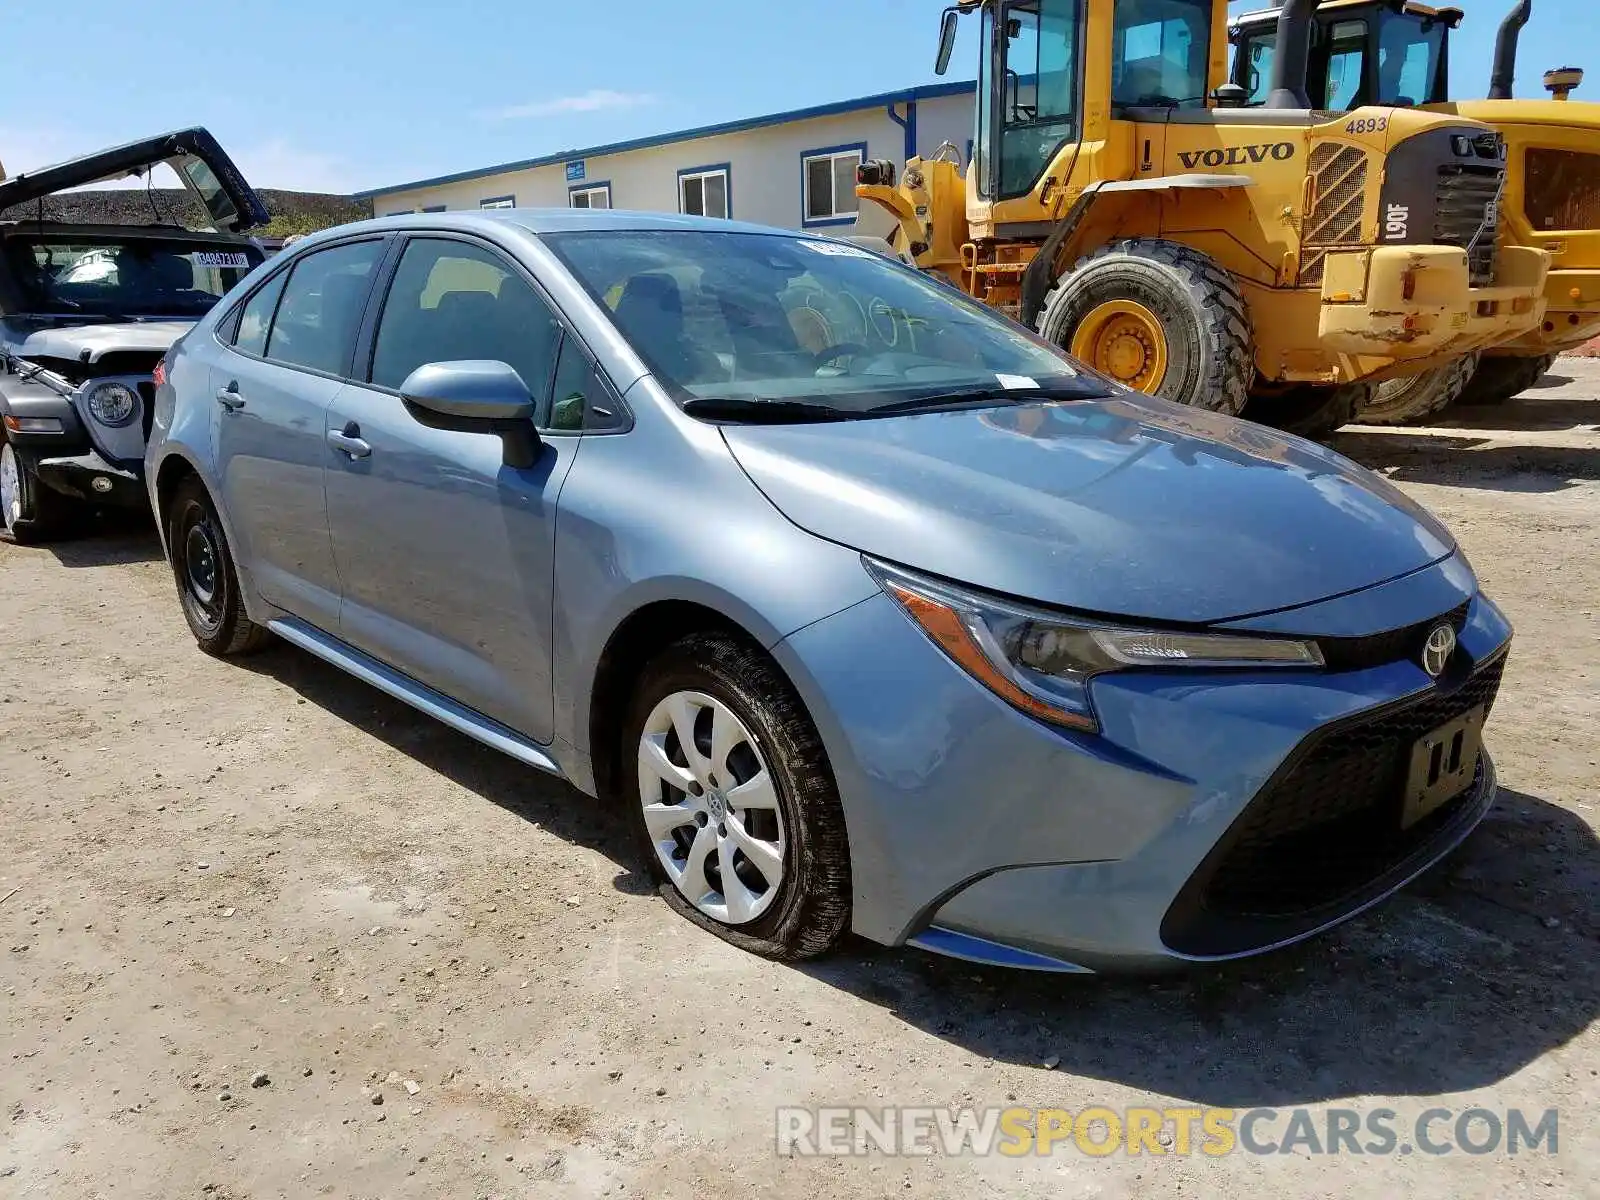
{"points": [[113, 404], [1042, 662]]}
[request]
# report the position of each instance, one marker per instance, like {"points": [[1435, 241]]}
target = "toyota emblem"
{"points": [[1436, 651]]}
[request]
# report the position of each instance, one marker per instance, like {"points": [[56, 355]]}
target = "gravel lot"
{"points": [[213, 870]]}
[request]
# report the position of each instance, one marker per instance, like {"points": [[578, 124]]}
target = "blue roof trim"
{"points": [[906, 96]]}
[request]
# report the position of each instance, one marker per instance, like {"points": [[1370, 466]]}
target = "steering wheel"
{"points": [[834, 353]]}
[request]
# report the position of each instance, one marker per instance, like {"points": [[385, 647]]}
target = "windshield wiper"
{"points": [[763, 412], [989, 394]]}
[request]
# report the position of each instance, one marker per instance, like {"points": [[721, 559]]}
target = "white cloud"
{"points": [[594, 100]]}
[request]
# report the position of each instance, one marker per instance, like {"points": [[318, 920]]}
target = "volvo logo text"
{"points": [[1237, 156], [1436, 652]]}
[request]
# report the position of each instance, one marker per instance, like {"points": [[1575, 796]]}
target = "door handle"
{"points": [[229, 398], [348, 441]]}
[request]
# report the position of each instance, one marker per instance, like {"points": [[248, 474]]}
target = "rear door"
{"points": [[445, 553], [291, 350]]}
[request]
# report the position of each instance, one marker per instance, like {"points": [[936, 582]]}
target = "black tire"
{"points": [[1500, 378], [1307, 410], [811, 911], [202, 567], [40, 513], [1412, 399], [1210, 352]]}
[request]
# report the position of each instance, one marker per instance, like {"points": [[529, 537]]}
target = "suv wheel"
{"points": [[734, 802], [30, 512], [208, 585]]}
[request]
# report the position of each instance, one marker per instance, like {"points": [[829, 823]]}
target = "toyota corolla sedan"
{"points": [[875, 611]]}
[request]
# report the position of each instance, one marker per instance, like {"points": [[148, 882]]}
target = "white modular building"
{"points": [[795, 170]]}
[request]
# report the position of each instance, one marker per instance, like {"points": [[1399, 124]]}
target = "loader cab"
{"points": [[1361, 53], [1032, 77]]}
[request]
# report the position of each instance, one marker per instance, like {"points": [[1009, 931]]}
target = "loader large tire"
{"points": [[1414, 398], [1160, 318], [1308, 410], [1500, 378]]}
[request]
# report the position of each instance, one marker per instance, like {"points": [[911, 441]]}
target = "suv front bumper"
{"points": [[93, 480]]}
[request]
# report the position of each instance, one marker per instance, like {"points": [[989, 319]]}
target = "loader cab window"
{"points": [[1411, 59], [1347, 67], [1256, 54], [1039, 52], [1160, 52]]}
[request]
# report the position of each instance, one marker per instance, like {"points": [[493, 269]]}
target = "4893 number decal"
{"points": [[1367, 125]]}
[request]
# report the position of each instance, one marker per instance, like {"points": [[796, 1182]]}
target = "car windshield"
{"points": [[108, 276], [759, 317]]}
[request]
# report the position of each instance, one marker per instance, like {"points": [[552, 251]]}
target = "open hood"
{"points": [[1130, 507], [207, 172]]}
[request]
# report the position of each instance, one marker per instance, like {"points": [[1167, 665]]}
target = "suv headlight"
{"points": [[1042, 662], [113, 404]]}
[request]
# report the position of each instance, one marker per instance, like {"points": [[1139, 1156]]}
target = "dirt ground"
{"points": [[212, 870]]}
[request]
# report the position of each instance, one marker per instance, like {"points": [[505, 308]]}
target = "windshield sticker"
{"points": [[1017, 383], [221, 258], [838, 249]]}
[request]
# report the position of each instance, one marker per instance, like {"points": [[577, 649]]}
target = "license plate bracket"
{"points": [[1443, 765]]}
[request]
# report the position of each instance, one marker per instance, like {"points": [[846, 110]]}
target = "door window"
{"points": [[454, 300], [322, 306], [256, 319], [579, 401], [1039, 96]]}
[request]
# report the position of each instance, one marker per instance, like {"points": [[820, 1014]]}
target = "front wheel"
{"points": [[734, 803], [1159, 318], [30, 512], [208, 585]]}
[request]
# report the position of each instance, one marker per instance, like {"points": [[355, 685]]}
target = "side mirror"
{"points": [[947, 41], [476, 396]]}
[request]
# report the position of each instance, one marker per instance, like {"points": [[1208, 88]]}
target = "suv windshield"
{"points": [[135, 276], [759, 317]]}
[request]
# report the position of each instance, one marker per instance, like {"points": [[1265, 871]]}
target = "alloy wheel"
{"points": [[711, 807]]}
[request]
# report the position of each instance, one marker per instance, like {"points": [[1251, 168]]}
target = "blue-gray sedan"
{"points": [[876, 611]]}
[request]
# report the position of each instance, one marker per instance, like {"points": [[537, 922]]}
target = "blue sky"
{"points": [[335, 95]]}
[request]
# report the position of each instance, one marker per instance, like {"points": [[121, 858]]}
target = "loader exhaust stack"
{"points": [[1504, 75]]}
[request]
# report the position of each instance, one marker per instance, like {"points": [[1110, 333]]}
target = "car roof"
{"points": [[550, 220]]}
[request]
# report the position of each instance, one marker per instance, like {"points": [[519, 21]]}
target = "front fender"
{"points": [[21, 399]]}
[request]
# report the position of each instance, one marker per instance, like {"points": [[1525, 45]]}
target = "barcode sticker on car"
{"points": [[221, 258], [1017, 383]]}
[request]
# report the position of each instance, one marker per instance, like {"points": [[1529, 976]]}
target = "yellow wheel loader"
{"points": [[1397, 52], [1123, 202]]}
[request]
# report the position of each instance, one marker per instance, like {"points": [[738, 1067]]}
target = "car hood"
{"points": [[90, 343], [1128, 506]]}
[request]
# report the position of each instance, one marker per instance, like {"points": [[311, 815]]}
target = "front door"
{"points": [[446, 553], [289, 355]]}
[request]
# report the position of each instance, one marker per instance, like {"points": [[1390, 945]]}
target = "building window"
{"points": [[399, 212], [436, 208], [498, 202], [705, 191], [828, 182], [594, 195]]}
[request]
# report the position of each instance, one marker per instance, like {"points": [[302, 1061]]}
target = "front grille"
{"points": [[1563, 190], [1381, 649], [1467, 214], [1323, 829], [1340, 182], [147, 394]]}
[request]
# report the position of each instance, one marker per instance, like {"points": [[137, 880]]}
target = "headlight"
{"points": [[113, 404], [1042, 662]]}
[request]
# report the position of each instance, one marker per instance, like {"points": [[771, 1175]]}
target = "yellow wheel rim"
{"points": [[1125, 341]]}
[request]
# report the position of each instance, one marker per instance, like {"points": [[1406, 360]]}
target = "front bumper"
{"points": [[978, 832], [93, 480], [1410, 303]]}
